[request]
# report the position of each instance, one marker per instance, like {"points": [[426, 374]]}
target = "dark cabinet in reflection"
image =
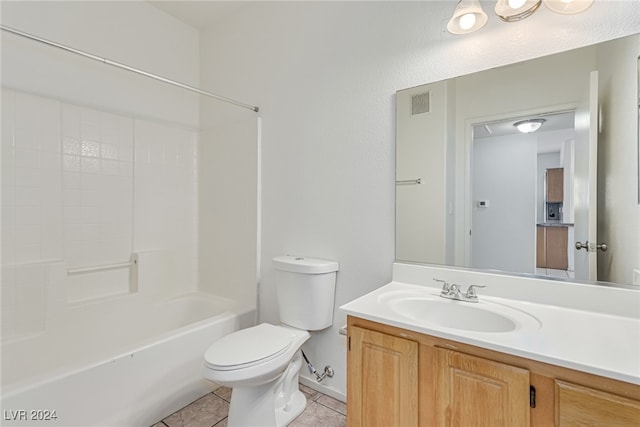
{"points": [[552, 246]]}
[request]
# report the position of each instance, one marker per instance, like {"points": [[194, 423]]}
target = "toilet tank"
{"points": [[305, 289]]}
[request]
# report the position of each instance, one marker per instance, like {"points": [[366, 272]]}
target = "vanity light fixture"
{"points": [[529, 125], [468, 15], [568, 7], [516, 10]]}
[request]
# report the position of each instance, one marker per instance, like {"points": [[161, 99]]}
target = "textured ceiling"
{"points": [[554, 122]]}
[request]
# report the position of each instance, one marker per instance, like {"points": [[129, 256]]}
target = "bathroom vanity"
{"points": [[512, 359]]}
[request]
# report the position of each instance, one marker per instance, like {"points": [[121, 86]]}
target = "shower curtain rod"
{"points": [[127, 68]]}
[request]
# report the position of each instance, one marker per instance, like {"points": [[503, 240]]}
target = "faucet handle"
{"points": [[471, 292], [445, 285]]}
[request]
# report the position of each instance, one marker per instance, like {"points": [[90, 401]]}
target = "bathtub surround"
{"points": [[73, 196], [96, 163]]}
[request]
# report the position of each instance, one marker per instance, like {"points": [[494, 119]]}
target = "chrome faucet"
{"points": [[453, 291]]}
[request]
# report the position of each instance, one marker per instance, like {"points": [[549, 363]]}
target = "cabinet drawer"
{"points": [[583, 406]]}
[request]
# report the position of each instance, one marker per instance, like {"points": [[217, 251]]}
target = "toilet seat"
{"points": [[249, 347]]}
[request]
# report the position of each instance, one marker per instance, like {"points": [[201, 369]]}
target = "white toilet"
{"points": [[261, 363]]}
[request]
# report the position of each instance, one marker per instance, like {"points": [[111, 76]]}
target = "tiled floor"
{"points": [[212, 409]]}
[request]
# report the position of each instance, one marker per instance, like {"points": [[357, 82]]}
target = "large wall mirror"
{"points": [[557, 198]]}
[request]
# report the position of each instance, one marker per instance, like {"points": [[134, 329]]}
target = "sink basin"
{"points": [[478, 317]]}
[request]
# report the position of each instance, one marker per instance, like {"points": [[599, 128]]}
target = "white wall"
{"points": [[131, 32], [324, 75], [96, 163], [504, 174], [421, 147]]}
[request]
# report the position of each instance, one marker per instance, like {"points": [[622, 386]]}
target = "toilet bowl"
{"points": [[253, 356], [261, 363]]}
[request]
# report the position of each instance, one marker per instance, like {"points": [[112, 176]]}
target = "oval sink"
{"points": [[446, 313]]}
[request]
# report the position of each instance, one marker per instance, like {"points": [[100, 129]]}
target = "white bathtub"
{"points": [[120, 362]]}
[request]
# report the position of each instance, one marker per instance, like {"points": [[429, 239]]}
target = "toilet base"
{"points": [[274, 404], [251, 408], [296, 406]]}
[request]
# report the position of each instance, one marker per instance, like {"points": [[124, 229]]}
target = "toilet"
{"points": [[261, 363]]}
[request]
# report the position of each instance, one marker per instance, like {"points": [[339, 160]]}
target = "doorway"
{"points": [[522, 192]]}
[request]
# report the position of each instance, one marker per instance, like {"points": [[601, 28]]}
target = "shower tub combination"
{"points": [[125, 346], [126, 360]]}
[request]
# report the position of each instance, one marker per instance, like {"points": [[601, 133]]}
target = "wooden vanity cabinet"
{"points": [[465, 390], [584, 406], [383, 374], [397, 377]]}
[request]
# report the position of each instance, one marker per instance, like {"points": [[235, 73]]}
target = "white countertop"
{"points": [[599, 343]]}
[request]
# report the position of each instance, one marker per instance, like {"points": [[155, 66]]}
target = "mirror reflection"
{"points": [[475, 191], [522, 179]]}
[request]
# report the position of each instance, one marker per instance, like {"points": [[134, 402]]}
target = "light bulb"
{"points": [[568, 7], [517, 4], [467, 21], [516, 10], [530, 125], [468, 16]]}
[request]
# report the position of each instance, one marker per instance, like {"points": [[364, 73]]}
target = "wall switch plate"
{"points": [[636, 277]]}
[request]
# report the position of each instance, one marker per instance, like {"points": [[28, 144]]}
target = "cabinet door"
{"points": [[583, 406], [557, 239], [555, 185], [471, 391], [382, 380]]}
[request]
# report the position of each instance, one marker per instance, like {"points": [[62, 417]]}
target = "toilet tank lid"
{"points": [[304, 265]]}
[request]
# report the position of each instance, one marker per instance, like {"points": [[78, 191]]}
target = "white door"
{"points": [[585, 185]]}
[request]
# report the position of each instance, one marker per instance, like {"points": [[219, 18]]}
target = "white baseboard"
{"points": [[312, 383]]}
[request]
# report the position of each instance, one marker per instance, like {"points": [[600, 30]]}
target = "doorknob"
{"points": [[602, 246]]}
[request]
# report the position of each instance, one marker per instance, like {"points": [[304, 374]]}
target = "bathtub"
{"points": [[125, 361]]}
